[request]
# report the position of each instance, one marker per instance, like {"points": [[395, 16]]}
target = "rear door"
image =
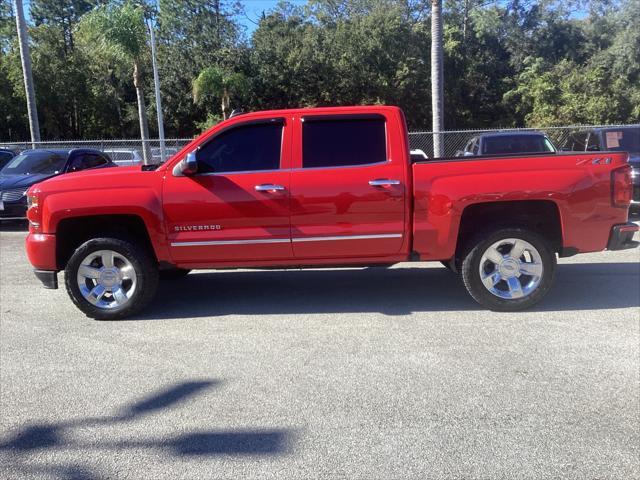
{"points": [[348, 190], [236, 208]]}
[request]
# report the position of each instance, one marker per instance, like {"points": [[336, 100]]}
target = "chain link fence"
{"points": [[121, 151], [125, 151], [456, 140]]}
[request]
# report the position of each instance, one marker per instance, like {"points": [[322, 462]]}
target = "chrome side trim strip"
{"points": [[285, 240], [230, 242], [347, 237]]}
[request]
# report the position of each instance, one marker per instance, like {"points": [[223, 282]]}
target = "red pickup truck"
{"points": [[324, 187]]}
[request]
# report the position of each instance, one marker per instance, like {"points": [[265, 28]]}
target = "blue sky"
{"points": [[254, 8]]}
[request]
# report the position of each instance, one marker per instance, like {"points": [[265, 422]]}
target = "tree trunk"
{"points": [[465, 21], [437, 78], [142, 114], [25, 57], [225, 103]]}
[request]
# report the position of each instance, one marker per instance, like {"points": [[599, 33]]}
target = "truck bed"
{"points": [[578, 186]]}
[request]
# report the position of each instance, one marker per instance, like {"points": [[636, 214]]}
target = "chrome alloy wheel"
{"points": [[511, 268], [106, 279]]}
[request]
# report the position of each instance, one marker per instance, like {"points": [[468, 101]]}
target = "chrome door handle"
{"points": [[383, 182], [268, 187]]}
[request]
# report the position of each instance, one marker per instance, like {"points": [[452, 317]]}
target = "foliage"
{"points": [[511, 63], [214, 83], [115, 36]]}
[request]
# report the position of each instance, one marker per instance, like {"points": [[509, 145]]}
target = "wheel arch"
{"points": [[540, 216], [74, 231]]}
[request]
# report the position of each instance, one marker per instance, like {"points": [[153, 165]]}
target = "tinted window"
{"points": [[626, 139], [338, 143], [4, 158], [514, 144], [39, 162], [593, 144], [87, 160], [578, 142], [243, 148]]}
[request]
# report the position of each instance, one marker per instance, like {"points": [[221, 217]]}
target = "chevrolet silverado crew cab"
{"points": [[324, 187]]}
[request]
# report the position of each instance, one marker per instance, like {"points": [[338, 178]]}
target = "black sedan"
{"points": [[34, 166]]}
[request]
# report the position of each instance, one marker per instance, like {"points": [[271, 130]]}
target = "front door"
{"points": [[236, 208]]}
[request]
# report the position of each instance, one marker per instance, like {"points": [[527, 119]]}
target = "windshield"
{"points": [[34, 163], [514, 144], [623, 139]]}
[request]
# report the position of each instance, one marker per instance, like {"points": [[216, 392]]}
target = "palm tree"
{"points": [[118, 33], [437, 78], [25, 57], [215, 82]]}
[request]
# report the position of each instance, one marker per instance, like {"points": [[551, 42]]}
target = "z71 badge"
{"points": [[193, 228]]}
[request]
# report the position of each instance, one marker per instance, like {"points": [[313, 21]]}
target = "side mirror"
{"points": [[189, 165]]}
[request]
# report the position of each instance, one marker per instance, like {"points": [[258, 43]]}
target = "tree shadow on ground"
{"points": [[33, 439]]}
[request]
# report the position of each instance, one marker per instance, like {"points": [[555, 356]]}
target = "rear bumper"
{"points": [[621, 237], [49, 278]]}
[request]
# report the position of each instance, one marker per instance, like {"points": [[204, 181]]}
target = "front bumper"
{"points": [[41, 251], [635, 178], [13, 210], [621, 237]]}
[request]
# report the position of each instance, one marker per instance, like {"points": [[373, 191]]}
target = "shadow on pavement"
{"points": [[14, 226], [46, 436], [390, 291]]}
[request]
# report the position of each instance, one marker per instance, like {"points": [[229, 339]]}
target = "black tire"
{"points": [[146, 271], [471, 269], [174, 273]]}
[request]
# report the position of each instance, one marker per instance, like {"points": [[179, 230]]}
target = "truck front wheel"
{"points": [[111, 278], [508, 269]]}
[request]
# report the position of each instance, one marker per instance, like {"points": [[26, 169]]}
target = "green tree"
{"points": [[216, 83], [118, 33], [13, 115], [193, 35]]}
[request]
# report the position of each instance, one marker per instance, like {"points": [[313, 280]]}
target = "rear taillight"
{"points": [[621, 187]]}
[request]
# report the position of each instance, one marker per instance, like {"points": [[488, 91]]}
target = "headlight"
{"points": [[32, 200]]}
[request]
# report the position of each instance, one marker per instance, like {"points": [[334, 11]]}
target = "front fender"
{"points": [[143, 202]]}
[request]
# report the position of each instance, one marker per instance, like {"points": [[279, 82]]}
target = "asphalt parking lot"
{"points": [[359, 373]]}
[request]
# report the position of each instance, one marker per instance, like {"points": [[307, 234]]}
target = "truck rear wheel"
{"points": [[110, 278], [509, 269]]}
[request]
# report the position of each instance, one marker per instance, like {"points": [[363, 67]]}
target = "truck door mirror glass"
{"points": [[189, 166]]}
